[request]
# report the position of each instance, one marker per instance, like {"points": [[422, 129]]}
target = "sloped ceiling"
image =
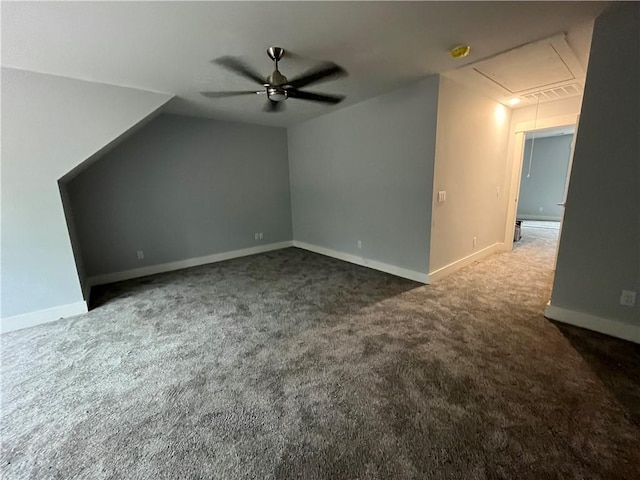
{"points": [[168, 46]]}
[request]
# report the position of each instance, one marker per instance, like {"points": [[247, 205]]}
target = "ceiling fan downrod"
{"points": [[275, 54]]}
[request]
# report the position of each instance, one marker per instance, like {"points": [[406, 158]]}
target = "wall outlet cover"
{"points": [[628, 298]]}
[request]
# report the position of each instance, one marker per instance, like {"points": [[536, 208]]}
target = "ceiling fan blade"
{"points": [[324, 71], [241, 68], [315, 97], [229, 94], [273, 106]]}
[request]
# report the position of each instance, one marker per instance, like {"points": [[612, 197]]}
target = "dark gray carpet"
{"points": [[293, 365]]}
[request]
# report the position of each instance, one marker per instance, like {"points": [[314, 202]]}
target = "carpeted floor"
{"points": [[293, 365]]}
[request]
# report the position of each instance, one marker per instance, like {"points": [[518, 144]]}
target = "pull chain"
{"points": [[533, 138]]}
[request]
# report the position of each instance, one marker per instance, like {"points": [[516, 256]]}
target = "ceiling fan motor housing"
{"points": [[275, 90], [276, 79]]}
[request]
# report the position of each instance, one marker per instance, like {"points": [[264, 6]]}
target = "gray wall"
{"points": [[182, 187], [544, 189], [366, 173], [599, 253], [50, 125]]}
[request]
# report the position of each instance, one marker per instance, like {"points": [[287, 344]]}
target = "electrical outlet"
{"points": [[261, 236], [140, 254], [442, 196], [256, 236], [359, 243], [628, 298]]}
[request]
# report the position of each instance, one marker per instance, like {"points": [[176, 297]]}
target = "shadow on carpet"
{"points": [[615, 361]]}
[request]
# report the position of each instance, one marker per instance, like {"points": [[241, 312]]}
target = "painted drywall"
{"points": [[542, 185], [181, 188], [365, 173], [470, 165], [599, 252], [50, 125], [537, 115]]}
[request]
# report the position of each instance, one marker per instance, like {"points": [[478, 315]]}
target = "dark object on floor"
{"points": [[517, 233]]}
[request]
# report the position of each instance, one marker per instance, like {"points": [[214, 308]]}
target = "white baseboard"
{"points": [[365, 262], [539, 218], [592, 322], [180, 264], [463, 262], [32, 319]]}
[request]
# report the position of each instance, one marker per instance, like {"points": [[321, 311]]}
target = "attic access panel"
{"points": [[540, 71], [526, 68]]}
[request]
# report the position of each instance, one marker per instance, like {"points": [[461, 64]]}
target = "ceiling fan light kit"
{"points": [[276, 86]]}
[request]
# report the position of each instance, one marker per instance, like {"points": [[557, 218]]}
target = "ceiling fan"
{"points": [[276, 86]]}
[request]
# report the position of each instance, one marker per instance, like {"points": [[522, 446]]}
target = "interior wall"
{"points": [[470, 165], [181, 188], [542, 188], [599, 252], [50, 125], [365, 173], [537, 115]]}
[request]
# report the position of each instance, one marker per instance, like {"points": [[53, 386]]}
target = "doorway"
{"points": [[545, 168], [544, 178], [524, 161]]}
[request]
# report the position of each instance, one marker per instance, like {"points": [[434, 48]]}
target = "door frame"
{"points": [[517, 162], [566, 189]]}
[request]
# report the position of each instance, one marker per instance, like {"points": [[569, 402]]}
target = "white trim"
{"points": [[540, 218], [463, 262], [546, 123], [592, 322], [18, 322], [365, 262], [514, 190], [180, 264]]}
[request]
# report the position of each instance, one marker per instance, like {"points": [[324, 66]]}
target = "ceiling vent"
{"points": [[546, 69], [554, 93]]}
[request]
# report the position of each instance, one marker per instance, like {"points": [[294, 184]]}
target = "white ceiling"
{"points": [[168, 46], [541, 71]]}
